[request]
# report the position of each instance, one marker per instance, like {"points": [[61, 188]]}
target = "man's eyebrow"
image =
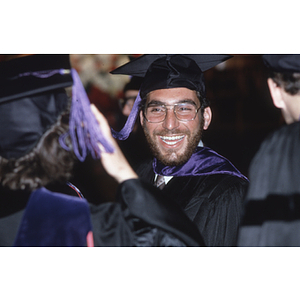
{"points": [[155, 102], [187, 101], [158, 102]]}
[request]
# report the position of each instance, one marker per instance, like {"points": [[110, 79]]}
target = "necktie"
{"points": [[160, 182]]}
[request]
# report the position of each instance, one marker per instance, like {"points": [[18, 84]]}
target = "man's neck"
{"points": [[168, 178]]}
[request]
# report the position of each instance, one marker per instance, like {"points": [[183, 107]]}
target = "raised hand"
{"points": [[114, 163]]}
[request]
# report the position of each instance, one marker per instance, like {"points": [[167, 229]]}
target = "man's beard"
{"points": [[193, 141]]}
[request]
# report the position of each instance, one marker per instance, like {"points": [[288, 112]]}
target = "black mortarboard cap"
{"points": [[31, 99], [162, 71], [282, 62], [32, 96], [15, 82]]}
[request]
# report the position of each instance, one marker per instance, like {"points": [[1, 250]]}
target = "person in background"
{"points": [[272, 208], [42, 134], [174, 112], [130, 92], [135, 148]]}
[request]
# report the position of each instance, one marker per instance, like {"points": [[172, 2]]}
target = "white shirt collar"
{"points": [[168, 178]]}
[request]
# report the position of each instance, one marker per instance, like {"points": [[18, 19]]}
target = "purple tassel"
{"points": [[42, 74], [126, 130], [83, 127]]}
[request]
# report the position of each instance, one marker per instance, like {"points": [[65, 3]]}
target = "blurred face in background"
{"points": [[129, 98], [287, 103]]}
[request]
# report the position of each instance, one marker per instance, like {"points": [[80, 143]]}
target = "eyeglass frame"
{"points": [[144, 107]]}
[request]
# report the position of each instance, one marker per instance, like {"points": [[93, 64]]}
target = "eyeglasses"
{"points": [[155, 113]]}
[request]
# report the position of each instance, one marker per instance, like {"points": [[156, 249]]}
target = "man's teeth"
{"points": [[172, 140]]}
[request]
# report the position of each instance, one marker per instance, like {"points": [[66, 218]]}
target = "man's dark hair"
{"points": [[46, 163], [203, 101], [288, 81]]}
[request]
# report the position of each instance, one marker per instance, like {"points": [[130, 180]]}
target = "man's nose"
{"points": [[170, 121]]}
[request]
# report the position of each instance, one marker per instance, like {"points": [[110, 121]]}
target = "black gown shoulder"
{"points": [[139, 217], [213, 202], [272, 208], [143, 218]]}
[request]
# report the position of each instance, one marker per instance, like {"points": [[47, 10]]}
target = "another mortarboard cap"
{"points": [[282, 62], [32, 96], [162, 71], [30, 99], [16, 83], [134, 84]]}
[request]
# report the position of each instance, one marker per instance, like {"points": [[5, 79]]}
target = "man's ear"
{"points": [[207, 115], [276, 93]]}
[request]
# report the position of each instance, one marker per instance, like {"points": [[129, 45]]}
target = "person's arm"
{"points": [[114, 163]]}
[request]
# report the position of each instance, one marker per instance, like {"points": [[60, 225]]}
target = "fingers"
{"points": [[103, 124], [114, 163]]}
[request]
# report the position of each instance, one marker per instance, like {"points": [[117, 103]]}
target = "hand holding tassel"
{"points": [[114, 163]]}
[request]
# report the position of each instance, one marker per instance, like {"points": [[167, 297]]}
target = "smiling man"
{"points": [[174, 112], [172, 125]]}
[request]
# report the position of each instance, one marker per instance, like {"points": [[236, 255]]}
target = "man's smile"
{"points": [[172, 140]]}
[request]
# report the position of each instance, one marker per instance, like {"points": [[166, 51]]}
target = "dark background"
{"points": [[243, 111]]}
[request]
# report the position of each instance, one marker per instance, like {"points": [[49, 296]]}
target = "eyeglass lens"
{"points": [[183, 111]]}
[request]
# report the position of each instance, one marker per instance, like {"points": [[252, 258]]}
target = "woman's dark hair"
{"points": [[289, 81], [46, 163]]}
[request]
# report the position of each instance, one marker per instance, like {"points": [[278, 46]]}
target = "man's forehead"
{"points": [[173, 95]]}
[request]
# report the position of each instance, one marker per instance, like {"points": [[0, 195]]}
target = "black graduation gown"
{"points": [[138, 218], [272, 208], [212, 202]]}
